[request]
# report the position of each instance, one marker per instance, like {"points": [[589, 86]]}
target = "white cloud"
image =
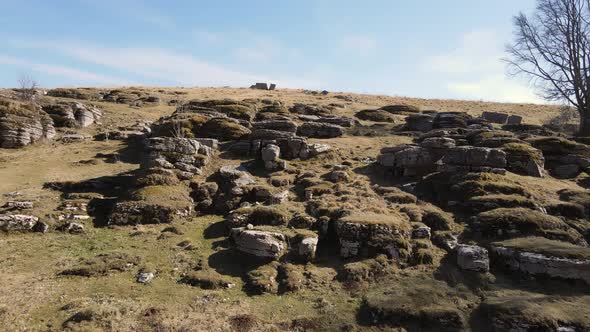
{"points": [[474, 70], [162, 66], [362, 45], [63, 71]]}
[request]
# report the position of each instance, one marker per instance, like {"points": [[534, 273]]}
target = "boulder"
{"points": [[307, 248], [260, 86], [473, 258], [514, 120], [270, 152], [265, 244], [420, 122], [320, 130], [341, 121], [495, 117]]}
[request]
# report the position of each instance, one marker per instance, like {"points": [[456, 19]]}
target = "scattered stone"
{"points": [[19, 205], [145, 277], [17, 222]]}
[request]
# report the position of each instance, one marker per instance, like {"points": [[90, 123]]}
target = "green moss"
{"points": [[169, 196], [516, 222], [364, 270], [579, 197], [263, 215], [491, 202], [206, 279], [369, 218], [223, 129], [236, 111], [263, 279], [444, 187], [101, 265], [401, 109], [418, 303], [84, 94], [537, 312]]}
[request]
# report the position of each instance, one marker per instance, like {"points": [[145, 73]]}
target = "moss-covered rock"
{"points": [[375, 116], [508, 223]]}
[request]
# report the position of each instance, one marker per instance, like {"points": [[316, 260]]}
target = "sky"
{"points": [[430, 48]]}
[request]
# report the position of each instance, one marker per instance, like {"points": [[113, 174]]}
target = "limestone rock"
{"points": [[260, 243], [17, 222], [473, 258], [307, 248], [539, 264], [270, 152], [320, 130]]}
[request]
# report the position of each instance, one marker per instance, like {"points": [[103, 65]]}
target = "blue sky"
{"points": [[429, 48]]}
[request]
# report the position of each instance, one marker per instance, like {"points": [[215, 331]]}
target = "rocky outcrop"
{"points": [[473, 258], [23, 124], [185, 156], [73, 114], [370, 234], [265, 244]]}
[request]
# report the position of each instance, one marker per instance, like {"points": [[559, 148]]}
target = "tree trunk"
{"points": [[584, 122]]}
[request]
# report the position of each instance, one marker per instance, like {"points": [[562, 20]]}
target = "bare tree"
{"points": [[27, 88], [552, 48]]}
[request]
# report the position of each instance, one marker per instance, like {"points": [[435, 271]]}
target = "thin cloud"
{"points": [[161, 66], [474, 70], [63, 71]]}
